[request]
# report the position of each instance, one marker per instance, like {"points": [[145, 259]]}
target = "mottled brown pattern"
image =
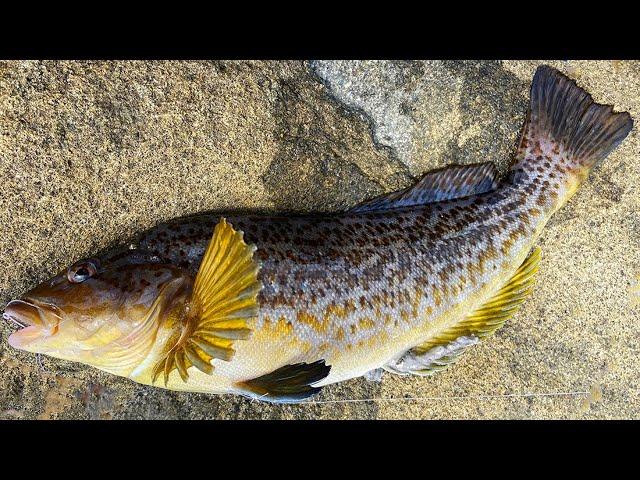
{"points": [[371, 271]]}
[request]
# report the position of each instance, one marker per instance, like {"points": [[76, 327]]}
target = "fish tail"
{"points": [[565, 136]]}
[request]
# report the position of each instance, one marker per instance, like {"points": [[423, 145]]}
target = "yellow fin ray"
{"points": [[229, 333], [446, 347], [198, 358], [223, 300], [181, 365], [502, 306]]}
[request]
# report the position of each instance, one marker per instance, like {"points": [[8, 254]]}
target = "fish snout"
{"points": [[37, 323], [22, 313]]}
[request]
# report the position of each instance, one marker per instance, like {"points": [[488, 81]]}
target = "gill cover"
{"points": [[223, 300]]}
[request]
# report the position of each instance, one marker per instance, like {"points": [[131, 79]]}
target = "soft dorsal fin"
{"points": [[223, 299], [448, 183], [445, 348], [287, 384]]}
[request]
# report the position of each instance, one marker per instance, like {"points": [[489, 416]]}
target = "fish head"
{"points": [[100, 310]]}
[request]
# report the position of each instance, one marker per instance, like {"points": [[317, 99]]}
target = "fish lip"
{"points": [[34, 318], [18, 312], [28, 312]]}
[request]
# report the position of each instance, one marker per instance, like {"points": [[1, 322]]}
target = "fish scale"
{"points": [[339, 295]]}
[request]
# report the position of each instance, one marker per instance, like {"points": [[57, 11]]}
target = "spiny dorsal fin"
{"points": [[224, 298], [287, 384], [446, 348], [450, 182]]}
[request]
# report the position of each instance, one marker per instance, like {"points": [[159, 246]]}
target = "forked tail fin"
{"points": [[565, 135]]}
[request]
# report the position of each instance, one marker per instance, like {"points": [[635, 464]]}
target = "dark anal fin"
{"points": [[288, 384], [448, 183]]}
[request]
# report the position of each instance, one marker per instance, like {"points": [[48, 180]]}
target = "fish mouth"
{"points": [[34, 320]]}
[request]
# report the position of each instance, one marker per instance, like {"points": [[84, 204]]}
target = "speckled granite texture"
{"points": [[91, 152]]}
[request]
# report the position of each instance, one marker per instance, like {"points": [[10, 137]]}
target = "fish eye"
{"points": [[81, 271]]}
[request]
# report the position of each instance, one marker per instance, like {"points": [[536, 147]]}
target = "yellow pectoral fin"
{"points": [[446, 347], [224, 298]]}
